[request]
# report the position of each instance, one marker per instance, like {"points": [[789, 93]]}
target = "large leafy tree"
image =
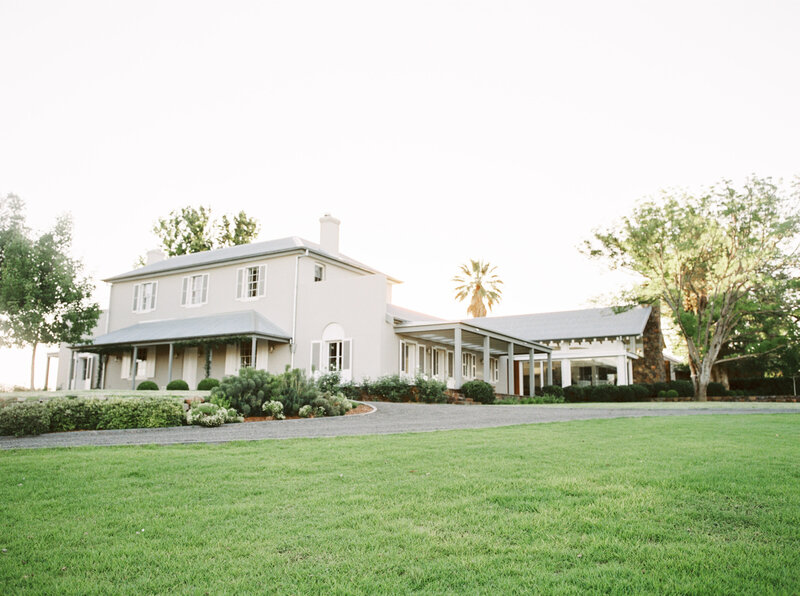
{"points": [[191, 229], [719, 260], [44, 298], [478, 282]]}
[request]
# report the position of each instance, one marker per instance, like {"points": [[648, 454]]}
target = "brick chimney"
{"points": [[329, 234]]}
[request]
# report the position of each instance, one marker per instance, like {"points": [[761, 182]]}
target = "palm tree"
{"points": [[480, 283]]}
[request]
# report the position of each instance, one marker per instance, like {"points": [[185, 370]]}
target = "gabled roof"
{"points": [[406, 315], [571, 324], [247, 322], [238, 253]]}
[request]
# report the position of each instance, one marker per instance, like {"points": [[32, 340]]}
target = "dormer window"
{"points": [[144, 296], [319, 272], [251, 282]]}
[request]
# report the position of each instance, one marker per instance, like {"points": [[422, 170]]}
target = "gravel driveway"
{"points": [[386, 419]]}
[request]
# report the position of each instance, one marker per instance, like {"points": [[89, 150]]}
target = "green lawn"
{"points": [[665, 505]]}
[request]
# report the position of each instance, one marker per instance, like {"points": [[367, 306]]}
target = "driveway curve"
{"points": [[388, 418]]}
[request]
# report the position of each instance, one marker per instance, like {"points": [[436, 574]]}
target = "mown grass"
{"points": [[663, 505]]}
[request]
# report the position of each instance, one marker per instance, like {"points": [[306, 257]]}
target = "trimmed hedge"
{"points": [[763, 386], [147, 386], [207, 384], [178, 385], [65, 414]]}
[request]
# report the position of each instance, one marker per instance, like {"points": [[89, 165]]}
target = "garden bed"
{"points": [[359, 409]]}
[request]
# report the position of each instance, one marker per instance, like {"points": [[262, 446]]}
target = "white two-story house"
{"points": [[287, 302]]}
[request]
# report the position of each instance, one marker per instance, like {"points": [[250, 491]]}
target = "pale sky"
{"points": [[436, 131]]}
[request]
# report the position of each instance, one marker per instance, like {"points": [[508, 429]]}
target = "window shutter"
{"points": [[136, 297], [232, 359], [204, 299], [262, 280], [125, 371], [239, 283], [184, 291], [316, 348], [347, 354], [155, 292]]}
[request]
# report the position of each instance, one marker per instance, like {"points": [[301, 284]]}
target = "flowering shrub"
{"points": [[305, 411], [274, 409], [207, 414]]}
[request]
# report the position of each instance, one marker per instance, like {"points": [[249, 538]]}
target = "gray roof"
{"points": [[406, 315], [236, 253], [247, 322], [571, 324]]}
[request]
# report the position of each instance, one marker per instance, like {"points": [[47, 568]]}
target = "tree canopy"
{"points": [[190, 230], [44, 298], [480, 283], [719, 260]]}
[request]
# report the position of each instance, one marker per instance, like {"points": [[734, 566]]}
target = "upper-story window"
{"points": [[144, 296], [251, 282], [195, 290], [319, 272]]}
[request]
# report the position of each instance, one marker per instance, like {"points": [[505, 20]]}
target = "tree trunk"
{"points": [[33, 364]]}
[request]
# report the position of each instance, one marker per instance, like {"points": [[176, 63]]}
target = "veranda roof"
{"points": [[588, 323], [247, 322]]}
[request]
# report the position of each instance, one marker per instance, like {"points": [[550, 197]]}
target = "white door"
{"points": [[190, 367]]}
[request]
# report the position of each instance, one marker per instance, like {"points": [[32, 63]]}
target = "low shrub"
{"points": [[351, 389], [390, 388], [536, 399], [763, 385], [295, 390], [207, 384], [430, 391], [640, 392], [716, 390], [479, 391], [305, 411], [211, 415], [273, 408], [147, 386], [246, 391], [178, 385], [330, 382], [28, 418], [552, 390]]}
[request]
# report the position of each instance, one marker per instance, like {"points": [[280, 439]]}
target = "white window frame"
{"points": [[322, 270], [407, 350], [245, 360], [139, 297], [320, 357], [451, 364], [244, 283], [469, 365], [494, 370], [187, 290]]}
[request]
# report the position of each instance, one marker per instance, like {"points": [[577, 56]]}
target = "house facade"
{"points": [[269, 305], [292, 302]]}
